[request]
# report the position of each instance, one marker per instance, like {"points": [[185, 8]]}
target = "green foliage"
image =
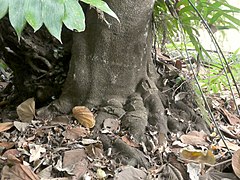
{"points": [[3, 8], [168, 13], [102, 6], [51, 13], [171, 16], [215, 80]]}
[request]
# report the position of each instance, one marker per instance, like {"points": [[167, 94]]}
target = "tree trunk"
{"points": [[109, 59], [111, 66]]}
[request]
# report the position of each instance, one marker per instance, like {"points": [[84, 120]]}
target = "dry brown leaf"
{"points": [[75, 133], [198, 156], [46, 173], [228, 131], [94, 150], [233, 120], [13, 152], [75, 166], [194, 138], [26, 110], [5, 126], [130, 173], [18, 172], [89, 141], [6, 145], [236, 162], [84, 116], [12, 156], [230, 145]]}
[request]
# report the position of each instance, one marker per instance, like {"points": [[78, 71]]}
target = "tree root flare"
{"points": [[142, 112]]}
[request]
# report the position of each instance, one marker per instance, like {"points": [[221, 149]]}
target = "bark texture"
{"points": [[109, 59]]}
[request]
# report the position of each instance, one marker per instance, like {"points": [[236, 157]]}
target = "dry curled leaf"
{"points": [[84, 116], [26, 110]]}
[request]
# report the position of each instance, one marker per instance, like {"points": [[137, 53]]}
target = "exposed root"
{"points": [[142, 109], [129, 155], [153, 103], [135, 120]]}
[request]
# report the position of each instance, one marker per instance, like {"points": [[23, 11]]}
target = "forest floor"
{"points": [[63, 149]]}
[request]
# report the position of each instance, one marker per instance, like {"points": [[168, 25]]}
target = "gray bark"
{"points": [[109, 60]]}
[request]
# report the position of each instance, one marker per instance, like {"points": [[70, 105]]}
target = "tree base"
{"points": [[143, 113]]}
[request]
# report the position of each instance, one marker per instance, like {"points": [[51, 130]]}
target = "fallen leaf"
{"points": [[130, 173], [13, 152], [199, 156], [18, 172], [84, 116], [233, 120], [12, 156], [35, 151], [26, 110], [21, 126], [7, 145], [46, 172], [75, 133], [230, 145], [94, 150], [217, 175], [5, 126], [75, 166], [194, 138], [236, 162], [228, 131]]}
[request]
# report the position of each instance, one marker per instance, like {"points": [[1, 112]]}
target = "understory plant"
{"points": [[176, 20]]}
